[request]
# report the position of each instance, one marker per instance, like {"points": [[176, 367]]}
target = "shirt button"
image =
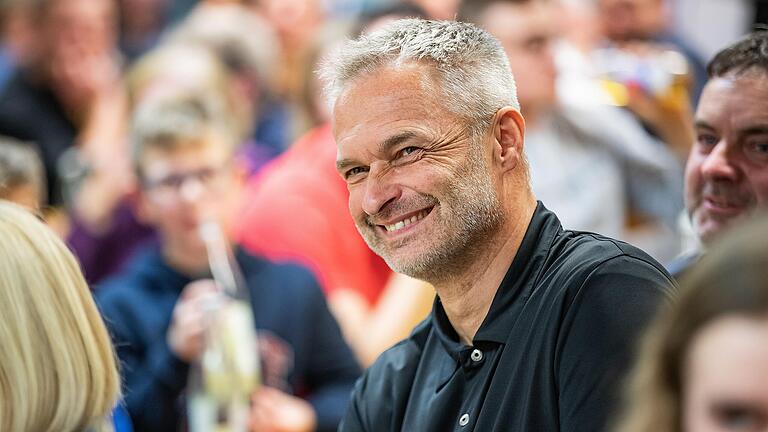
{"points": [[464, 420], [476, 355]]}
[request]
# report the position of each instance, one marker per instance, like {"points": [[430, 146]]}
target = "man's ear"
{"points": [[508, 134]]}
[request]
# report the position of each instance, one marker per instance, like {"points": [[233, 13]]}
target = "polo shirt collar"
{"points": [[515, 288]]}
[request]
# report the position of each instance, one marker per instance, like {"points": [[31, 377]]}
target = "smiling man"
{"points": [[726, 177], [533, 325]]}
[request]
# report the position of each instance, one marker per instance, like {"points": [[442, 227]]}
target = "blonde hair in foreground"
{"points": [[57, 365]]}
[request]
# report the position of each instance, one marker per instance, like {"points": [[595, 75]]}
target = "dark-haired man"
{"points": [[727, 173]]}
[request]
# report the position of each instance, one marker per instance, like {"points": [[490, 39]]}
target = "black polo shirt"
{"points": [[549, 356]]}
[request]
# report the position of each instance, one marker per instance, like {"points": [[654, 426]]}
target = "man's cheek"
{"points": [[355, 205], [692, 190], [761, 192]]}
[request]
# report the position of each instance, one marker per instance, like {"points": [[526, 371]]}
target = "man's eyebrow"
{"points": [[395, 140], [342, 164], [754, 130], [701, 124], [750, 130]]}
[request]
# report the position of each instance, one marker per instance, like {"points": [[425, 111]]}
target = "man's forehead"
{"points": [[743, 83], [740, 97], [388, 99], [407, 78]]}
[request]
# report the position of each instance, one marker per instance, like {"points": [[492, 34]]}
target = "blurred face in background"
{"points": [[17, 30], [439, 9], [295, 21], [726, 381], [186, 186], [76, 52], [77, 27], [631, 19], [526, 31], [577, 21], [726, 176], [142, 15]]}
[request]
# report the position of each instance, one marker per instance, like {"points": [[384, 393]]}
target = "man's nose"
{"points": [[719, 163], [379, 190]]}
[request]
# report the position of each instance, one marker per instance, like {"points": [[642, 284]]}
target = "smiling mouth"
{"points": [[397, 226], [723, 209], [722, 204]]}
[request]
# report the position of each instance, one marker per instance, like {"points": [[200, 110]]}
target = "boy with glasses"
{"points": [[155, 308]]}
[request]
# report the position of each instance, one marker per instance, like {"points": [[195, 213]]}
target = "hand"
{"points": [[672, 120], [80, 76], [275, 411], [88, 83], [186, 334], [670, 114]]}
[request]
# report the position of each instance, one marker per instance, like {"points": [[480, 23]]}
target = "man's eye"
{"points": [[759, 147], [757, 150], [706, 139], [407, 151], [352, 172], [738, 418]]}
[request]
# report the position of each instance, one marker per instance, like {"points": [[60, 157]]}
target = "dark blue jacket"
{"points": [[137, 306]]}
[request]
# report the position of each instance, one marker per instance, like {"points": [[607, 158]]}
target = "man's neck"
{"points": [[467, 298]]}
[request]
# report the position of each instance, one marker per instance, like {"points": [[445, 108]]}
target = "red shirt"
{"points": [[297, 209]]}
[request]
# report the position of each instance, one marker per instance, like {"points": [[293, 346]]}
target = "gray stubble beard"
{"points": [[477, 216]]}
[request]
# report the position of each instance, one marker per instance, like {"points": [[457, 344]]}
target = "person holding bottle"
{"points": [[157, 308]]}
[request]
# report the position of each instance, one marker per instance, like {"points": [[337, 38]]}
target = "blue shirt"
{"points": [[288, 307]]}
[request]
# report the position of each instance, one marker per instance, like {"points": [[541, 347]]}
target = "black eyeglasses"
{"points": [[210, 178]]}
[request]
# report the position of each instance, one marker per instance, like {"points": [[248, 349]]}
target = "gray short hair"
{"points": [[472, 68]]}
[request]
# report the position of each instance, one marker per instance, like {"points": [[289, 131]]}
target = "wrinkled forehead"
{"points": [[388, 96], [391, 76]]}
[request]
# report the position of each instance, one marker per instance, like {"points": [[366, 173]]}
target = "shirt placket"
{"points": [[473, 361]]}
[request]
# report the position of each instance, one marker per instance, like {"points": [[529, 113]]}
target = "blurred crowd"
{"points": [[127, 123]]}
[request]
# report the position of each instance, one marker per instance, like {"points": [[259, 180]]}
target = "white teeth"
{"points": [[405, 222]]}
